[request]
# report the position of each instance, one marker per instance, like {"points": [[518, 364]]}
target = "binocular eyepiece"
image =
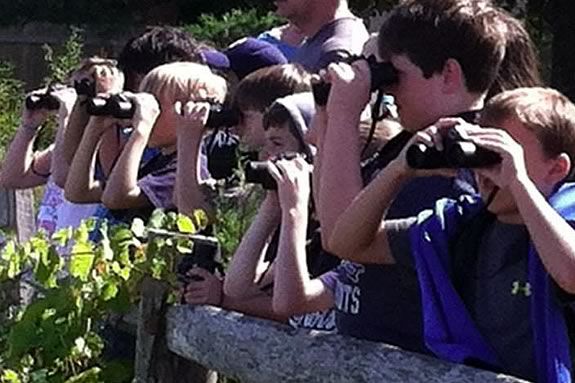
{"points": [[116, 105], [458, 152], [85, 87], [383, 74]]}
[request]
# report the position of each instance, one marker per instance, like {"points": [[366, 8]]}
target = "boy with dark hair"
{"points": [[257, 91], [249, 280], [495, 272], [156, 46], [254, 94], [381, 303]]}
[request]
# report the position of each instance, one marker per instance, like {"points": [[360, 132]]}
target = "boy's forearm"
{"points": [[340, 171], [291, 279], [359, 227], [81, 186], [552, 236], [245, 267], [17, 163], [259, 306], [60, 167], [74, 131], [190, 194], [122, 190]]}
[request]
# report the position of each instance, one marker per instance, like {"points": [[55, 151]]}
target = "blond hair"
{"points": [[183, 81], [544, 111]]}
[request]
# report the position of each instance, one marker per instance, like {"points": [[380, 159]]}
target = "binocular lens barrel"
{"points": [[458, 153], [42, 101]]}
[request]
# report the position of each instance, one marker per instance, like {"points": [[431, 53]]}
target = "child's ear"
{"points": [[560, 169], [452, 75]]}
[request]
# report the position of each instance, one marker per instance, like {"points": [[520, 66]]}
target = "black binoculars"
{"points": [[42, 101], [222, 116], [85, 87], [383, 74], [458, 152], [116, 105], [257, 172], [204, 255]]}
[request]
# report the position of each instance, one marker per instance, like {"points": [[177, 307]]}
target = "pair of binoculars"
{"points": [[458, 153]]}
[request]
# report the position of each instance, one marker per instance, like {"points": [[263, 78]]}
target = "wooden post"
{"points": [[155, 363], [17, 212]]}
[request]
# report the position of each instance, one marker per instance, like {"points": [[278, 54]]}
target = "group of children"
{"points": [[474, 266]]}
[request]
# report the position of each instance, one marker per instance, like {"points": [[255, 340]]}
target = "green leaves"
{"points": [[185, 224], [78, 283], [10, 376], [81, 265]]}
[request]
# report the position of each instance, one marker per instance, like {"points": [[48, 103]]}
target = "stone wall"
{"points": [[255, 350]]}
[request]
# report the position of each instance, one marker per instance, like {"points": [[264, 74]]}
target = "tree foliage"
{"points": [[11, 97], [224, 29]]}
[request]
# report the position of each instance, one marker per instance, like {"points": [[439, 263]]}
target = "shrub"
{"points": [[222, 30], [11, 96]]}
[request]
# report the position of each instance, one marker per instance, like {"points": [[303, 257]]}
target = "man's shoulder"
{"points": [[348, 33]]}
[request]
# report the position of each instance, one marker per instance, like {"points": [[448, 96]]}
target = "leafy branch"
{"points": [[78, 284]]}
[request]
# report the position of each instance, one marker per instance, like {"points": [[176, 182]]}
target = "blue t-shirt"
{"points": [[289, 51]]}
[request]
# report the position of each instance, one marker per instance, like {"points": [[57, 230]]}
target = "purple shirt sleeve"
{"points": [[329, 279], [159, 189]]}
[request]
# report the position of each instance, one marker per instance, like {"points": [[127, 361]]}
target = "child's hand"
{"points": [[512, 166], [192, 116], [103, 73], [294, 183], [208, 290], [67, 97], [146, 114], [33, 119], [432, 137], [350, 87]]}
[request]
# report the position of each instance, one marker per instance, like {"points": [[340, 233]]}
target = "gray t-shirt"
{"points": [[333, 41], [496, 291]]}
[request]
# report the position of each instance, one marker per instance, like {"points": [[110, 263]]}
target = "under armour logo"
{"points": [[519, 287]]}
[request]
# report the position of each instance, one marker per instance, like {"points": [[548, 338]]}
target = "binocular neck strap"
{"points": [[491, 197], [376, 115]]}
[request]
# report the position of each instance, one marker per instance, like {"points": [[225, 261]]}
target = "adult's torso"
{"points": [[343, 36]]}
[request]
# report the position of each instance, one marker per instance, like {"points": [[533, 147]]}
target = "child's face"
{"points": [[164, 130], [537, 164], [251, 130], [278, 140], [418, 99]]}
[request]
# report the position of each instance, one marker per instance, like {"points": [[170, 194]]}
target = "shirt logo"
{"points": [[521, 288]]}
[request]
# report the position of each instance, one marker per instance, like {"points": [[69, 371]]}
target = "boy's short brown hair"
{"points": [[546, 112], [429, 32], [258, 90]]}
